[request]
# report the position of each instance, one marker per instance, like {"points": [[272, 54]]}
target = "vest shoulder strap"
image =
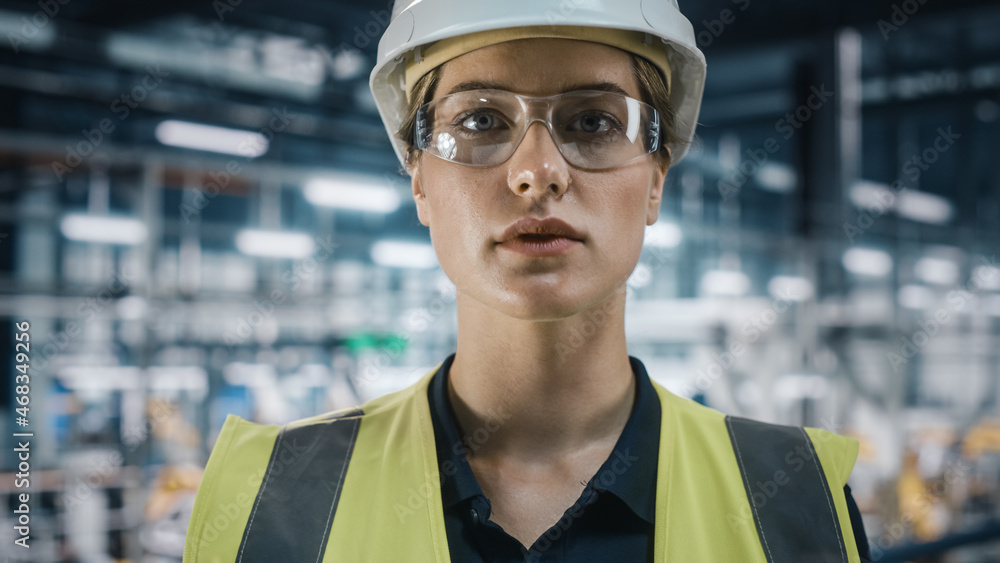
{"points": [[302, 484], [294, 496], [793, 507]]}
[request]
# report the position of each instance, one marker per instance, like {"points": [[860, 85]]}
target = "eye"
{"points": [[481, 121], [593, 123]]}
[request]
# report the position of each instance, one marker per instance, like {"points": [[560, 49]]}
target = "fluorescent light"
{"points": [[731, 283], [872, 195], [924, 207], [915, 296], [352, 191], [937, 270], [346, 63], [911, 204], [274, 244], [790, 287], [988, 277], [13, 26], [100, 379], [240, 61], [777, 177], [106, 229], [211, 138], [398, 254], [867, 262], [662, 234], [289, 58]]}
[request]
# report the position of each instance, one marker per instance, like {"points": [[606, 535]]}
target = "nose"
{"points": [[537, 166]]}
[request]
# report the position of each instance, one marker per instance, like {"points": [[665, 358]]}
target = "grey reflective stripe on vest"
{"points": [[291, 516], [788, 493]]}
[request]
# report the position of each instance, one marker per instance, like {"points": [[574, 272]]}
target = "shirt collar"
{"points": [[629, 472]]}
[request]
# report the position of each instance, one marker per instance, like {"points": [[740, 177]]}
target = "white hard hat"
{"points": [[423, 33]]}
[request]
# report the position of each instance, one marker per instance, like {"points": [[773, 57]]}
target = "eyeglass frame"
{"points": [[548, 104]]}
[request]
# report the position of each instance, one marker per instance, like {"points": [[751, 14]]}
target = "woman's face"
{"points": [[467, 208]]}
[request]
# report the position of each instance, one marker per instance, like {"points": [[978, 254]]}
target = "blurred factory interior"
{"points": [[201, 214]]}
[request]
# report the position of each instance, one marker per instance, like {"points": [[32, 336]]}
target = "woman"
{"points": [[538, 155]]}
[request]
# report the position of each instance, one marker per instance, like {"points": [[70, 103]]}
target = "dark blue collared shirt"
{"points": [[612, 520]]}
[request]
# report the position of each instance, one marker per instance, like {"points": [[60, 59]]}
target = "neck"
{"points": [[541, 389]]}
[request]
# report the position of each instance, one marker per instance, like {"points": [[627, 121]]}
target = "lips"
{"points": [[540, 245], [537, 237], [531, 229]]}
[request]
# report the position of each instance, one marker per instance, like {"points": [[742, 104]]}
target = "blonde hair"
{"points": [[652, 86]]}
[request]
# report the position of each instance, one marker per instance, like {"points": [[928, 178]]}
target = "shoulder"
{"points": [[787, 443], [246, 454], [240, 435], [388, 404]]}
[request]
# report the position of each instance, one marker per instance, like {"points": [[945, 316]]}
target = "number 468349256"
{"points": [[21, 360]]}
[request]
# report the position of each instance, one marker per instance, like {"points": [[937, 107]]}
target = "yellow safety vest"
{"points": [[363, 484]]}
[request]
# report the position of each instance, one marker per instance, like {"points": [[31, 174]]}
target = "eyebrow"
{"points": [[489, 85]]}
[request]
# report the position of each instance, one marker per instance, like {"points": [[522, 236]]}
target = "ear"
{"points": [[658, 177], [419, 197]]}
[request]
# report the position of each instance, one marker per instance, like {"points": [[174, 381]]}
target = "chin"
{"points": [[537, 304]]}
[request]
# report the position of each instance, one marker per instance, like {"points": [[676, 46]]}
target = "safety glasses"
{"points": [[593, 129]]}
